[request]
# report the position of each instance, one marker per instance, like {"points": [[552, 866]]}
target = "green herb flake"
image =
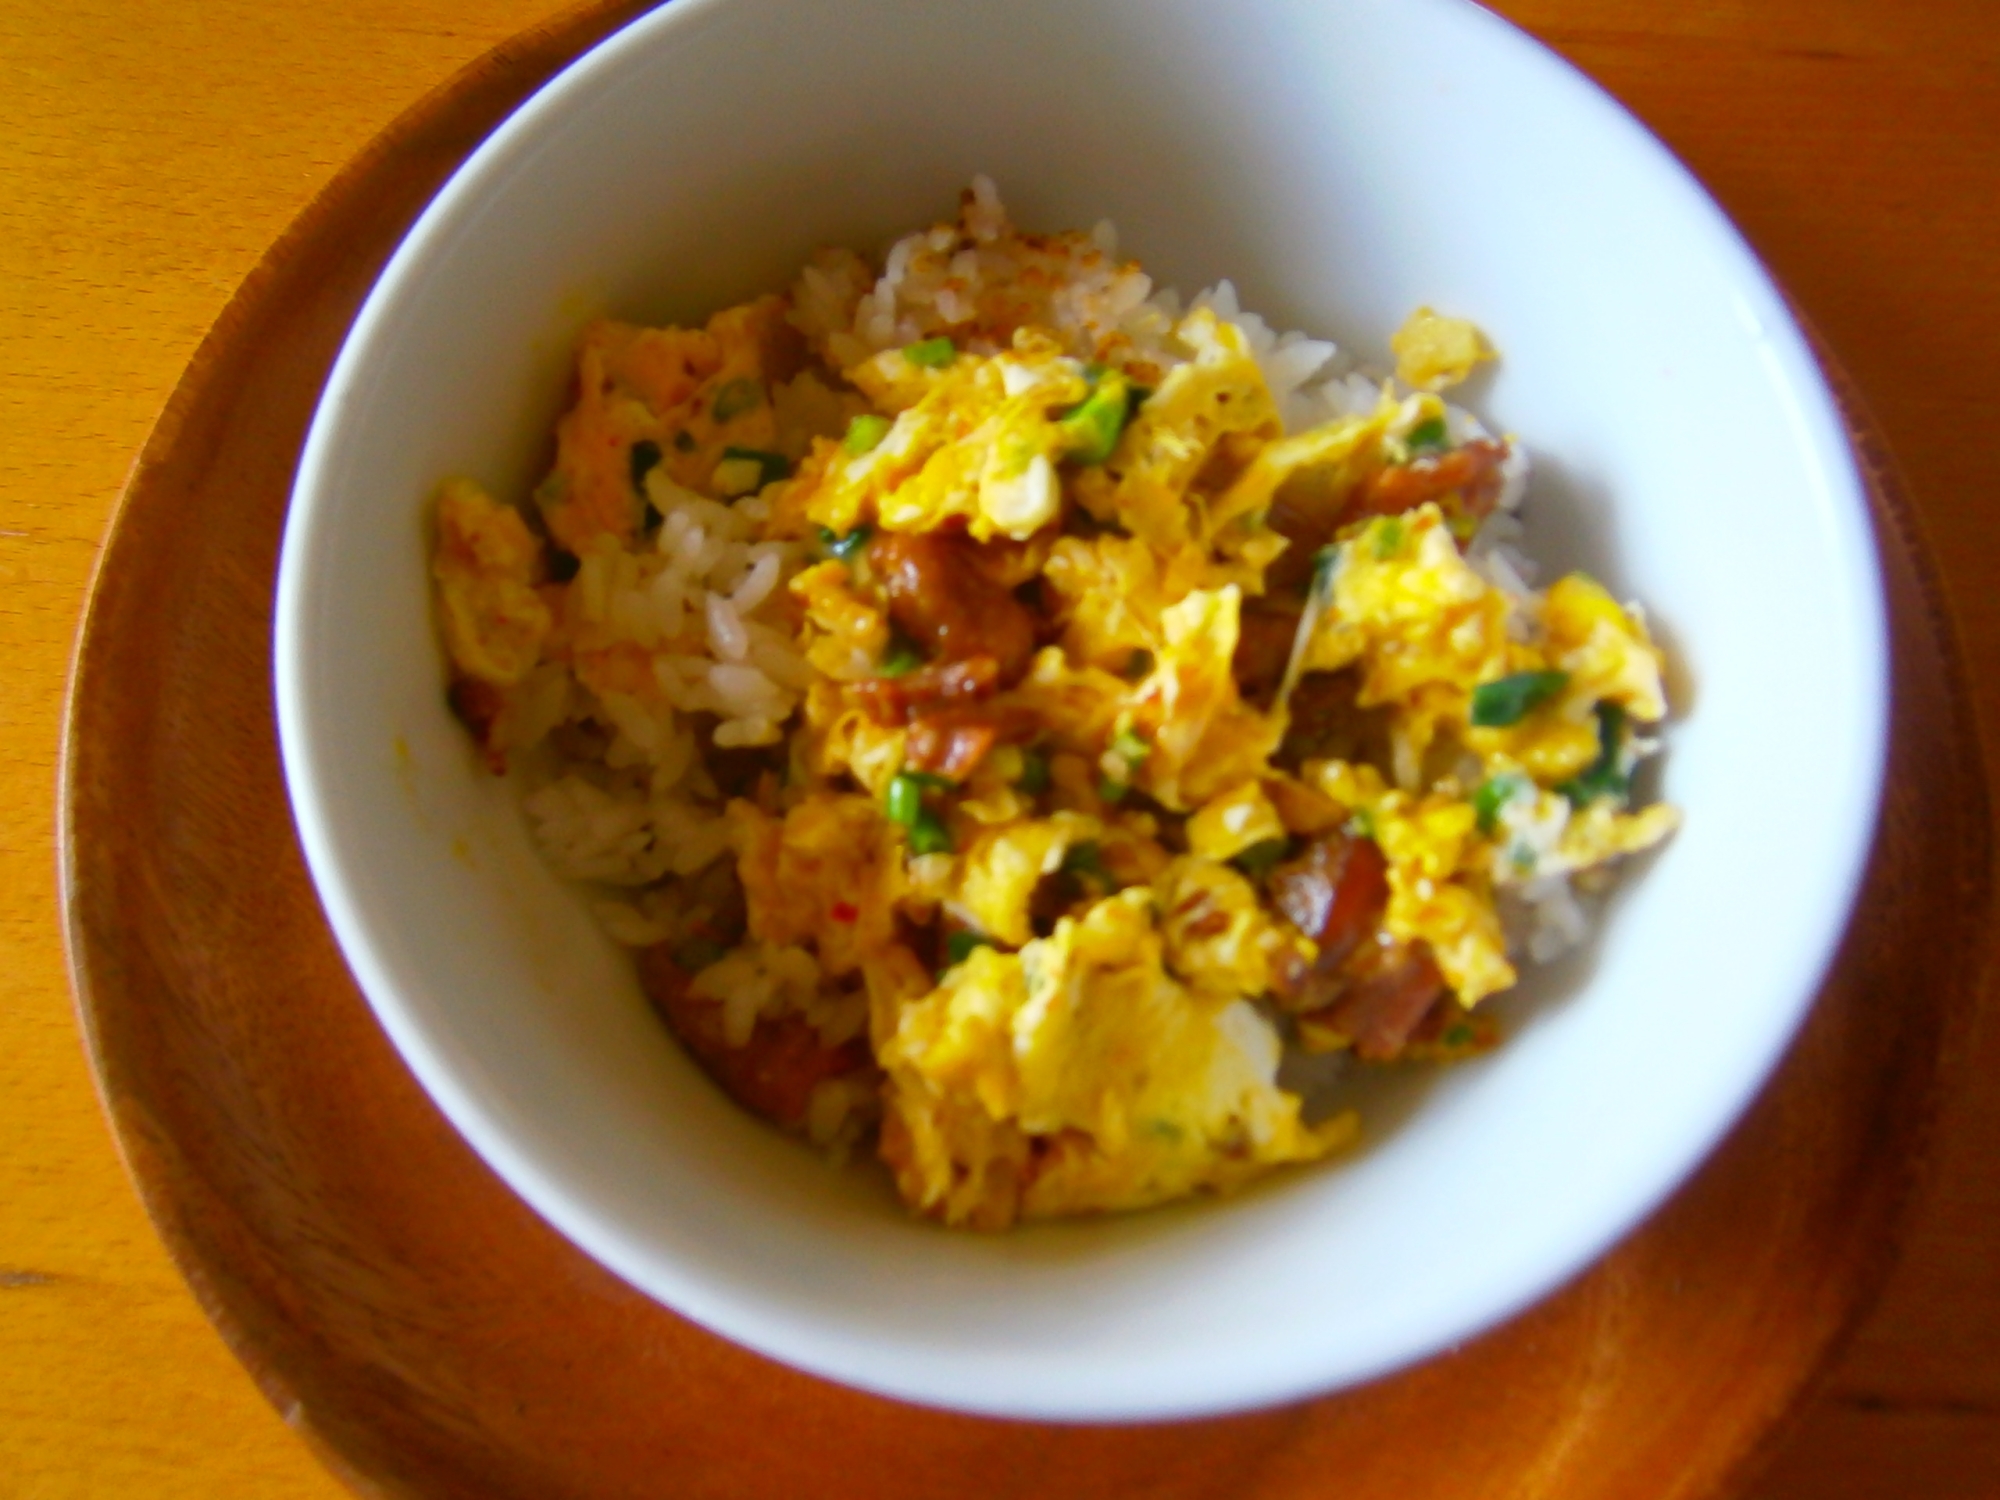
{"points": [[1508, 700], [1360, 824], [865, 434], [958, 946], [928, 835], [844, 545], [1262, 857], [1090, 429], [904, 799], [1458, 1036], [736, 397], [1427, 438], [901, 658], [1388, 538], [1129, 747], [931, 354], [1034, 778], [1603, 777], [1112, 791], [1085, 861], [645, 458], [1494, 794], [1326, 562]]}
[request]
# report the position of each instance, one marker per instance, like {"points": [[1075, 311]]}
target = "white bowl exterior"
{"points": [[1342, 162]]}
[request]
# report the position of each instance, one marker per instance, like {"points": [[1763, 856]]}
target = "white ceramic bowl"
{"points": [[1343, 161]]}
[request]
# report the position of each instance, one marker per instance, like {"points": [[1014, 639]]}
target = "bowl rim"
{"points": [[493, 159]]}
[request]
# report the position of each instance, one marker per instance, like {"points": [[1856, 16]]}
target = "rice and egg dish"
{"points": [[1008, 711]]}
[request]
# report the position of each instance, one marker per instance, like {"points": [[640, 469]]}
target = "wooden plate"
{"points": [[435, 1338]]}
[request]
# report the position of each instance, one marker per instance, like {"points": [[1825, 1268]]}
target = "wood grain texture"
{"points": [[146, 157]]}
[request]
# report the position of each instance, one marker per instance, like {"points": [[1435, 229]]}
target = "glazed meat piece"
{"points": [[775, 1072], [953, 743], [1335, 894], [1472, 472], [1263, 649], [1362, 986], [478, 706], [943, 600], [899, 700], [1327, 722], [1379, 1009]]}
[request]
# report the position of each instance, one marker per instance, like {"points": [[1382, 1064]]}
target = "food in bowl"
{"points": [[1010, 714]]}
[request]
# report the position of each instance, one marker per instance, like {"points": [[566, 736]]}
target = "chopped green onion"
{"points": [[845, 545], [1325, 562], [1603, 778], [864, 433], [958, 946], [1497, 704], [901, 659], [928, 835], [904, 799], [931, 354], [645, 458], [1261, 857], [1034, 778], [771, 466], [1458, 1036], [1388, 538], [737, 397], [1091, 428], [1360, 824], [931, 781], [1495, 793], [563, 565], [1427, 437], [697, 954], [1129, 747], [1085, 861], [1112, 791]]}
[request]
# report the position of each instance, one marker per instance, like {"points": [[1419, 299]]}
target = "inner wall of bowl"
{"points": [[1342, 163]]}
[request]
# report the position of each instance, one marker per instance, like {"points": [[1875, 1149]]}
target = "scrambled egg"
{"points": [[487, 564], [1132, 1087]]}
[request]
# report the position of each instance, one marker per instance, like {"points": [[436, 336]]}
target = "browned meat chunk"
{"points": [[1382, 1007], [944, 600], [1471, 472], [1327, 722], [478, 704], [775, 1072], [941, 685], [1335, 894], [1263, 649], [950, 744]]}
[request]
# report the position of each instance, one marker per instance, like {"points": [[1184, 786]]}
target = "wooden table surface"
{"points": [[149, 153]]}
